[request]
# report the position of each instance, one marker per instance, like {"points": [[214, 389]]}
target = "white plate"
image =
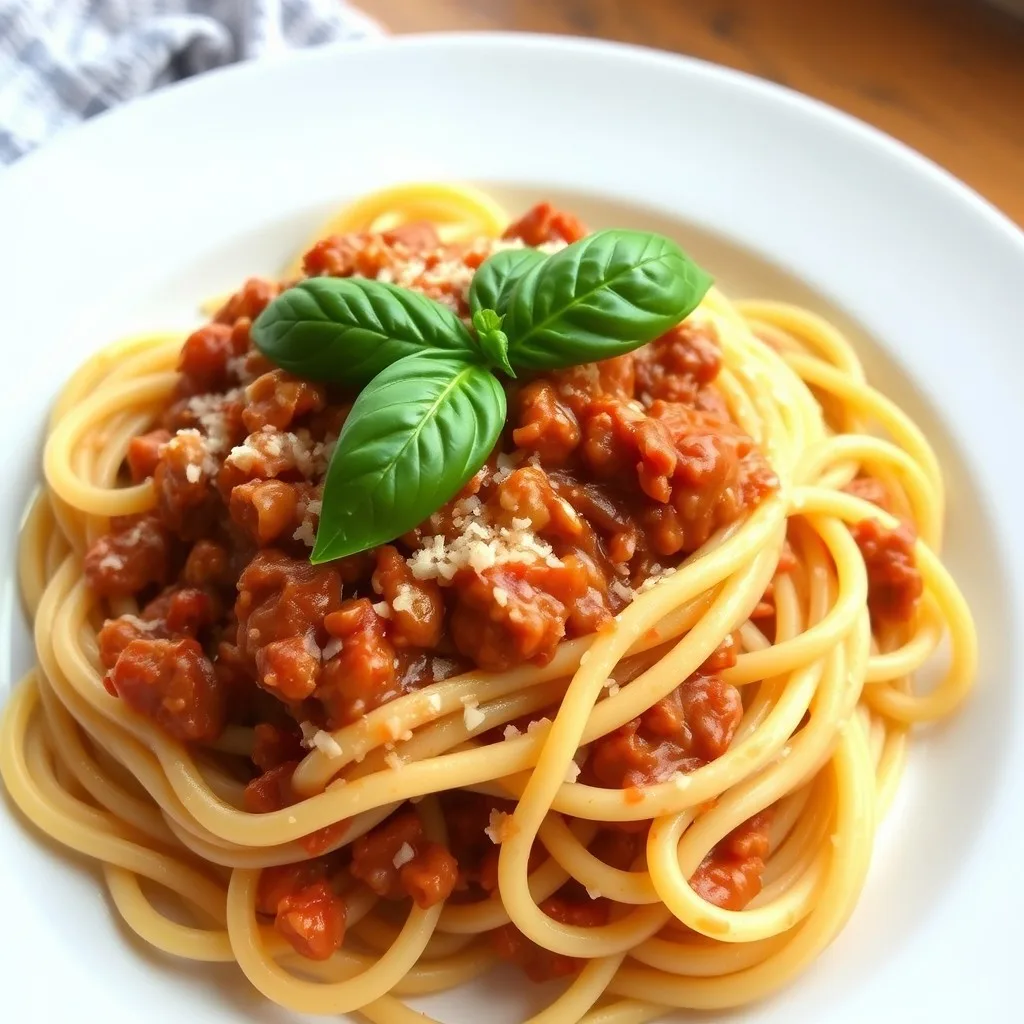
{"points": [[126, 223]]}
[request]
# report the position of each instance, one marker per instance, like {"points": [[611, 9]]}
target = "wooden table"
{"points": [[945, 76]]}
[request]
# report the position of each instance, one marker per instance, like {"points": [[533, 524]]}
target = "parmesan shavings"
{"points": [[403, 601], [657, 575], [208, 411], [327, 744], [404, 855], [497, 827], [479, 547], [472, 715]]}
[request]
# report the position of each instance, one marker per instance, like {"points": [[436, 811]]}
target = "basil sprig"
{"points": [[417, 432], [431, 408], [348, 329]]}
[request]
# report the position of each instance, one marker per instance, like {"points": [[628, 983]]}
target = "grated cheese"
{"points": [[497, 827], [472, 715], [500, 596], [434, 702], [309, 730], [594, 894], [612, 687], [331, 648], [193, 473], [657, 575], [327, 744], [405, 854], [403, 601], [383, 609], [511, 732], [209, 413], [572, 771], [479, 547], [394, 761], [537, 726], [112, 561]]}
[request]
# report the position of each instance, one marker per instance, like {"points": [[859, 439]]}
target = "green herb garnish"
{"points": [[431, 409]]}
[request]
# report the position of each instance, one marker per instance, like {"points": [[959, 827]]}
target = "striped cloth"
{"points": [[62, 61]]}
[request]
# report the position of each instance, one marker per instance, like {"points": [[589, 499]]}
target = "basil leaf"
{"points": [[495, 278], [602, 296], [348, 329], [417, 432], [493, 341]]}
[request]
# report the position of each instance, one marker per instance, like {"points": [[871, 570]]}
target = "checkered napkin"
{"points": [[62, 61]]}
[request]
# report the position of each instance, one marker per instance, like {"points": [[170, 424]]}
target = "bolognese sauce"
{"points": [[607, 475]]}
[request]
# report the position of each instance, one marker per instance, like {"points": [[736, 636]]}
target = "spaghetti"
{"points": [[651, 871]]}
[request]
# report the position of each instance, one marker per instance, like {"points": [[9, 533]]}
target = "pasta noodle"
{"points": [[828, 701]]}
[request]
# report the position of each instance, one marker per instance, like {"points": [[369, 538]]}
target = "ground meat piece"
{"points": [[204, 358], [289, 668], [253, 297], [619, 440], [207, 565], [274, 746], [678, 364], [373, 855], [527, 493], [363, 675], [718, 474], [730, 876], [894, 582], [281, 607], [545, 425], [173, 683], [871, 489], [182, 483], [183, 611], [417, 606], [178, 612], [430, 876], [523, 622], [312, 920], [357, 253], [543, 223], [263, 455], [144, 453], [133, 555], [116, 634], [277, 398], [265, 509], [579, 386], [692, 726], [272, 790]]}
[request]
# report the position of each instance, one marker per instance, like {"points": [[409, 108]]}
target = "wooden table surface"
{"points": [[945, 76]]}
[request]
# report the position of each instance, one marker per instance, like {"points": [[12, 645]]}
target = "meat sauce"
{"points": [[606, 476]]}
